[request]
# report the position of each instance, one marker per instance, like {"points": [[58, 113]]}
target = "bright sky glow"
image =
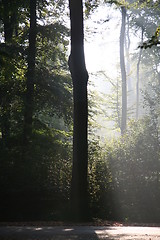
{"points": [[102, 44], [102, 54]]}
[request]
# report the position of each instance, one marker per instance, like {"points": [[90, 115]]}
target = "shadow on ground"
{"points": [[78, 233], [48, 233]]}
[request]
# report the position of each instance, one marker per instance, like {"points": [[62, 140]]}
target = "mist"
{"points": [[80, 111]]}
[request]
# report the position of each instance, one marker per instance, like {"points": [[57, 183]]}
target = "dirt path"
{"points": [[79, 233]]}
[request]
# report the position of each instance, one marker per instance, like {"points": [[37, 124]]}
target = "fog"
{"points": [[133, 158], [112, 146]]}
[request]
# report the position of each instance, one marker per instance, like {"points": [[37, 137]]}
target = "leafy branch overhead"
{"points": [[154, 41], [63, 150]]}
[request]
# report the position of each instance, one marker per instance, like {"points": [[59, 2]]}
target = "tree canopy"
{"points": [[72, 147]]}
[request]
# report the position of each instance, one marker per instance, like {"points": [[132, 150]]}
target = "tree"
{"points": [[145, 24], [38, 168], [28, 116], [129, 77], [8, 17], [79, 184], [137, 84], [123, 72]]}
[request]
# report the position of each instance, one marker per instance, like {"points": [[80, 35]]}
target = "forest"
{"points": [[80, 141]]}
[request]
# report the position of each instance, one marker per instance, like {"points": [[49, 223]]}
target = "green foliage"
{"points": [[154, 41], [52, 83], [91, 5], [134, 162], [124, 179], [100, 180], [40, 174], [37, 175]]}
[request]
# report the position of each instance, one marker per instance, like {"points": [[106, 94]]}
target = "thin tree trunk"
{"points": [[28, 115], [118, 106], [79, 184], [128, 67], [127, 48], [137, 85], [123, 73]]}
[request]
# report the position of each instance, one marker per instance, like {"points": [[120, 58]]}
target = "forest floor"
{"points": [[82, 231], [95, 222]]}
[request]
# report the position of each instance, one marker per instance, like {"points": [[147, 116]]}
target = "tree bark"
{"points": [[137, 85], [9, 23], [79, 183], [28, 115], [118, 105], [128, 67], [123, 73]]}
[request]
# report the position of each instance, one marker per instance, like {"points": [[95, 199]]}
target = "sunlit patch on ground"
{"points": [[80, 233]]}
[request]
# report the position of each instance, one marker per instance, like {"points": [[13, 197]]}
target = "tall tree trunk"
{"points": [[128, 67], [79, 184], [118, 105], [127, 48], [123, 73], [28, 115], [9, 22], [137, 84]]}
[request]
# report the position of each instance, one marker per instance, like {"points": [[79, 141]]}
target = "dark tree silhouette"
{"points": [[8, 17], [79, 184], [28, 115]]}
